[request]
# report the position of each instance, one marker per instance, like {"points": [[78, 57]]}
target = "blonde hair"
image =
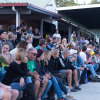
{"points": [[10, 35], [20, 54], [28, 36], [63, 40], [46, 52], [54, 51]]}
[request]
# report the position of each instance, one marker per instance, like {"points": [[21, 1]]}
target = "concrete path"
{"points": [[90, 91]]}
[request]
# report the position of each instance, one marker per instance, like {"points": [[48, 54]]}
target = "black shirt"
{"points": [[15, 70]]}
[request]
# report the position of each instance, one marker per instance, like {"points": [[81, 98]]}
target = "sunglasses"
{"points": [[34, 54]]}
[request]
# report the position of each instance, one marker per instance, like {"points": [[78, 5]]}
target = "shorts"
{"points": [[1, 93], [63, 71]]}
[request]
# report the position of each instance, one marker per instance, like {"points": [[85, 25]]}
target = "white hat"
{"points": [[72, 51], [89, 49]]}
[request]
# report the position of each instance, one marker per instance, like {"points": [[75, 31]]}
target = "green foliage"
{"points": [[95, 2], [65, 3]]}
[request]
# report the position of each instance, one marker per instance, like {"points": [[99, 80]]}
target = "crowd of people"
{"points": [[42, 67]]}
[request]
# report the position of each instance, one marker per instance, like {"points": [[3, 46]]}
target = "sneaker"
{"points": [[74, 90], [62, 98], [78, 88], [69, 97]]}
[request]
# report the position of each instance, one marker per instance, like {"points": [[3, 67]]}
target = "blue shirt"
{"points": [[39, 48]]}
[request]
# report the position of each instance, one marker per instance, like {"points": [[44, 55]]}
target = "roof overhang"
{"points": [[27, 6], [88, 15]]}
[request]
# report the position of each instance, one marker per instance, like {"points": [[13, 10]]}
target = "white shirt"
{"points": [[71, 38], [83, 56], [30, 45], [86, 41], [56, 35], [13, 53]]}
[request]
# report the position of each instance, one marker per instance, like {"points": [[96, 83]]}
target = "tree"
{"points": [[64, 3], [95, 2]]}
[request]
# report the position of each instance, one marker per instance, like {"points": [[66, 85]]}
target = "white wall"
{"points": [[51, 6]]}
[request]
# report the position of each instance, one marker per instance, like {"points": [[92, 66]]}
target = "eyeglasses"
{"points": [[34, 54]]}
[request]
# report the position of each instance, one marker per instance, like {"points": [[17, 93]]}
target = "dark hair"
{"points": [[1, 31], [84, 48], [41, 42], [83, 43], [18, 28], [22, 44]]}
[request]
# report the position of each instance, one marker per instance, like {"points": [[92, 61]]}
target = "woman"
{"points": [[16, 76], [5, 59], [9, 39], [47, 55], [64, 44], [23, 44], [29, 40], [39, 64]]}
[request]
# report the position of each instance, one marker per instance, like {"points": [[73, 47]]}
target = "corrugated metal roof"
{"points": [[39, 3]]}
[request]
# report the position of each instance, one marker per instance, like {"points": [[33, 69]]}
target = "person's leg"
{"points": [[69, 77], [30, 88], [42, 89], [14, 94], [47, 88], [63, 88], [2, 74], [91, 68], [56, 87], [17, 86], [36, 87], [95, 67], [75, 77], [6, 95]]}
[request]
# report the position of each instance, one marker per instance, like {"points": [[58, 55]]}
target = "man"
{"points": [[65, 66], [3, 35], [42, 45], [87, 61], [36, 37], [72, 35], [32, 53], [56, 34], [18, 31]]}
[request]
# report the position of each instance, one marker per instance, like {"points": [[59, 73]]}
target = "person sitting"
{"points": [[6, 93], [40, 68], [42, 44], [50, 44], [29, 40], [9, 39], [5, 59], [23, 44], [3, 35], [32, 53], [16, 75], [87, 62], [64, 44], [65, 66], [47, 56]]}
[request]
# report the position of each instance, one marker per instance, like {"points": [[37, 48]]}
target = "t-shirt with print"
{"points": [[30, 66]]}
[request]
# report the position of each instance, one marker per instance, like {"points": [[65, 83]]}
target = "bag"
{"points": [[83, 76], [26, 96]]}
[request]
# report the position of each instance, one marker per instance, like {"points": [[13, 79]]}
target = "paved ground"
{"points": [[90, 91]]}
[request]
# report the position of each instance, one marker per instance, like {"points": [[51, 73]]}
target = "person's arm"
{"points": [[34, 74], [36, 37], [5, 87], [4, 59]]}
